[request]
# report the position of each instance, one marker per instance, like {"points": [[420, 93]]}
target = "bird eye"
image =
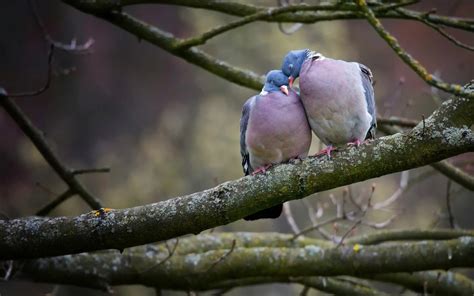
{"points": [[291, 66]]}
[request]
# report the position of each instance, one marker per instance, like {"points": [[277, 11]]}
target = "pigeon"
{"points": [[273, 129], [338, 97]]}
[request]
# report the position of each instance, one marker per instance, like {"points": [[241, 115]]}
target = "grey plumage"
{"points": [[273, 129], [338, 97]]}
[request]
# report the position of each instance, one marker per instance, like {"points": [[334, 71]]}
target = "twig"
{"points": [[36, 136], [168, 257], [316, 226], [89, 171], [264, 13], [410, 61], [442, 32], [223, 257], [359, 221], [47, 82], [170, 251], [392, 120], [452, 224], [56, 202], [289, 218], [404, 178]]}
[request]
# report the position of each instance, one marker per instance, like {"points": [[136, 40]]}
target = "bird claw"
{"points": [[262, 169], [326, 151], [355, 143]]}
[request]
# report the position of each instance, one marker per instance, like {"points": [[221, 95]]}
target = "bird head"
{"points": [[276, 81], [292, 63]]}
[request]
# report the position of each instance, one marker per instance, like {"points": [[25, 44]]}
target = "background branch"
{"points": [[190, 270], [37, 138]]}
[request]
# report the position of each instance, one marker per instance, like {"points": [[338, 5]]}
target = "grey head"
{"points": [[292, 63], [275, 81]]}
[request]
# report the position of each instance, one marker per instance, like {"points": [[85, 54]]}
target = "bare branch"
{"points": [[455, 174], [47, 82], [396, 195], [56, 202], [223, 257], [408, 234], [89, 171], [452, 224], [37, 137], [289, 217], [410, 61]]}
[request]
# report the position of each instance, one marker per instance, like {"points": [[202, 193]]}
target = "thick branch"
{"points": [[444, 134], [192, 271]]}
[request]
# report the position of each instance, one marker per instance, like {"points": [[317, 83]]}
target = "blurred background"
{"points": [[168, 128]]}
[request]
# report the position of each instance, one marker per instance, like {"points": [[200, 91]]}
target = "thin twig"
{"points": [[56, 202], [89, 171], [36, 136], [289, 218], [316, 226], [47, 82], [171, 252], [452, 224], [359, 221], [442, 32], [404, 178], [223, 257], [410, 61]]}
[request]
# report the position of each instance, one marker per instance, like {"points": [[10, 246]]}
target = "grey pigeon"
{"points": [[273, 129], [338, 97]]}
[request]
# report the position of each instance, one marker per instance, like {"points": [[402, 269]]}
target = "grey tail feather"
{"points": [[270, 213], [371, 133]]}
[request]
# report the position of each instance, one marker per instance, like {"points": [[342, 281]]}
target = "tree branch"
{"points": [[406, 235], [191, 270], [37, 138], [184, 48], [343, 11], [444, 134], [409, 60]]}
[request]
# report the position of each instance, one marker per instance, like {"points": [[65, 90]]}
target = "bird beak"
{"points": [[290, 81], [284, 89]]}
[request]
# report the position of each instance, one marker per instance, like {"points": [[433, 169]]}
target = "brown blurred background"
{"points": [[168, 128]]}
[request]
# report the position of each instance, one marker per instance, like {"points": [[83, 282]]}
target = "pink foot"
{"points": [[355, 143], [261, 169], [326, 151]]}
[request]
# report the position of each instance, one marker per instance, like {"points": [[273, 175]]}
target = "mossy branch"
{"points": [[444, 134], [189, 267]]}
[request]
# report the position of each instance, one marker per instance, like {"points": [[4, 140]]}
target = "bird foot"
{"points": [[262, 169], [355, 143], [326, 151]]}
